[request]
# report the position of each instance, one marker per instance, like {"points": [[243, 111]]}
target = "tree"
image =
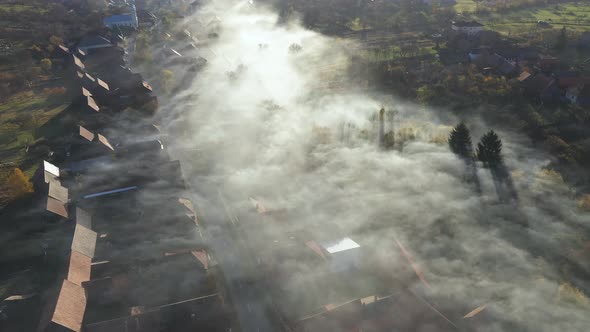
{"points": [[562, 39], [489, 149], [460, 141], [295, 48], [55, 40], [17, 185], [46, 64], [167, 80]]}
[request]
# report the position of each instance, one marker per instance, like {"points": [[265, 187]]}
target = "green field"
{"points": [[20, 7], [575, 17], [465, 6], [20, 117]]}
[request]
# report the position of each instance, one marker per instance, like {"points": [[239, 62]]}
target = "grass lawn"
{"points": [[20, 116], [575, 17], [20, 7], [465, 6]]}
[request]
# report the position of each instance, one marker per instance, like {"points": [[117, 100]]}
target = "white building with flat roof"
{"points": [[344, 254]]}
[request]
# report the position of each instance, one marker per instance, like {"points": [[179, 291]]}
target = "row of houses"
{"points": [[137, 260], [541, 76]]}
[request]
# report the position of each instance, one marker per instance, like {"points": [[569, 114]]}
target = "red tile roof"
{"points": [[71, 306]]}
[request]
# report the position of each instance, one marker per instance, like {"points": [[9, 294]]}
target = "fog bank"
{"points": [[262, 120]]}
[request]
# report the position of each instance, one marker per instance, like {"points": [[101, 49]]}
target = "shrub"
{"points": [[46, 64]]}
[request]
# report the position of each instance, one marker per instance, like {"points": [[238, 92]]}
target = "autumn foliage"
{"points": [[16, 186]]}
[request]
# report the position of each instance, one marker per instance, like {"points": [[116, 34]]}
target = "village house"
{"points": [[540, 86], [469, 28], [128, 20], [145, 18], [92, 43], [485, 59]]}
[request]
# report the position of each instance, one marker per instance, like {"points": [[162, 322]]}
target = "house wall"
{"points": [[345, 260], [467, 30]]}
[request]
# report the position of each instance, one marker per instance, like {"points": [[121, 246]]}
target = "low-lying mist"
{"points": [[265, 119]]}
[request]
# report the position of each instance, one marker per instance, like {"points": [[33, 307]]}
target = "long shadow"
{"points": [[56, 125], [472, 177], [503, 183], [522, 238]]}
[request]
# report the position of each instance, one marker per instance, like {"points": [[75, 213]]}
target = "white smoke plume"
{"points": [[261, 120]]}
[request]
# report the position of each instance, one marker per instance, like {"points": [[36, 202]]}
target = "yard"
{"points": [[20, 117], [465, 6], [6, 7], [574, 16]]}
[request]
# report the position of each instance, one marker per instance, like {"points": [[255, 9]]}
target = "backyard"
{"points": [[20, 117]]}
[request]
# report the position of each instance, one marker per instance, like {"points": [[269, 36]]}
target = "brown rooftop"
{"points": [[78, 62], [105, 142], [523, 76], [84, 241], [79, 270], [316, 248], [57, 207], [87, 134], [103, 84], [89, 77], [57, 191], [202, 257], [92, 104], [147, 85], [71, 305], [85, 92]]}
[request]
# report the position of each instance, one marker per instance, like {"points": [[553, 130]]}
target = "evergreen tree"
{"points": [[460, 141], [562, 39], [489, 149]]}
